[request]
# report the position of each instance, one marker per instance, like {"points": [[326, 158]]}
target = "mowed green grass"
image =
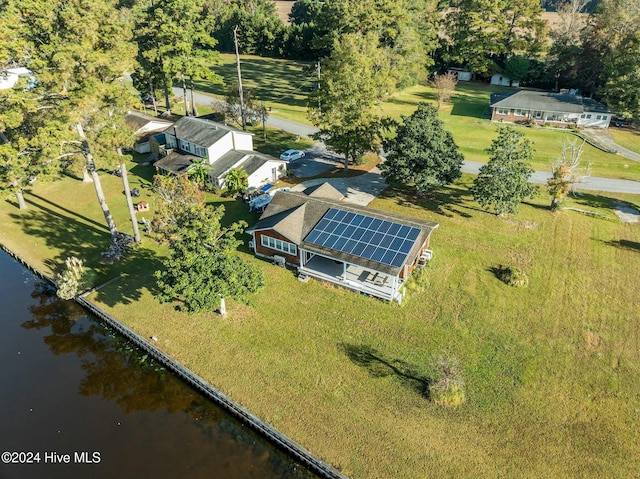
{"points": [[284, 86], [465, 117], [628, 138], [551, 370]]}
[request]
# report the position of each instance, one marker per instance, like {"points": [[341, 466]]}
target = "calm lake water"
{"points": [[71, 390]]}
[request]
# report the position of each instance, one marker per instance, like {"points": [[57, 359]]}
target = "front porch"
{"points": [[351, 276]]}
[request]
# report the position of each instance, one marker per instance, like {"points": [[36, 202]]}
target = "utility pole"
{"points": [[242, 113], [318, 70], [263, 112]]}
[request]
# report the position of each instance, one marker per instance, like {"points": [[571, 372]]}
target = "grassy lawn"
{"points": [[284, 85], [281, 84], [550, 370], [465, 119], [628, 138]]}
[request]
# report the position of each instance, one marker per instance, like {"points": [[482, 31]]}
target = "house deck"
{"points": [[353, 277]]}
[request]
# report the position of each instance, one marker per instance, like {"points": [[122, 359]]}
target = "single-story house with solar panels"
{"points": [[356, 247], [546, 107], [222, 147]]}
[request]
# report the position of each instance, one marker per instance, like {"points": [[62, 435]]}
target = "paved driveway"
{"points": [[603, 136], [317, 160], [360, 190]]}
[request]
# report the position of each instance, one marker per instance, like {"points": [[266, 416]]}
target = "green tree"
{"points": [[423, 153], [236, 181], [198, 172], [30, 134], [175, 42], [176, 194], [502, 183], [260, 30], [406, 32], [79, 52], [617, 24], [483, 34], [202, 269], [346, 106]]}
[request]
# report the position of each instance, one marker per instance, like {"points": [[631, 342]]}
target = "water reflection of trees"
{"points": [[115, 370], [118, 372]]}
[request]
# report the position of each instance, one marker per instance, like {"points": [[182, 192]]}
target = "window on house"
{"points": [[605, 117], [503, 111], [521, 112], [171, 141], [201, 152], [599, 117], [184, 145], [279, 245], [582, 116], [588, 117]]}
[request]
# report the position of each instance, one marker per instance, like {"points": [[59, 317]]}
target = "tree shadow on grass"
{"points": [[62, 208], [64, 234], [136, 270], [85, 239], [446, 201], [624, 244], [380, 367], [594, 200]]}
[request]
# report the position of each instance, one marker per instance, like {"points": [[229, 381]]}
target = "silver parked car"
{"points": [[292, 155]]}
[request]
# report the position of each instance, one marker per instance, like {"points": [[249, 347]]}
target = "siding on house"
{"points": [[267, 252], [547, 107]]}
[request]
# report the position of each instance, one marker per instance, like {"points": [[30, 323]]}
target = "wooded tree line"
{"points": [[366, 50]]}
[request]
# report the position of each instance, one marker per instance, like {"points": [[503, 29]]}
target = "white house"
{"points": [[145, 126], [503, 80], [543, 107], [10, 76], [461, 74], [222, 147]]}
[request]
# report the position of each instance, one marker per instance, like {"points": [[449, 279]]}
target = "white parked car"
{"points": [[292, 155]]}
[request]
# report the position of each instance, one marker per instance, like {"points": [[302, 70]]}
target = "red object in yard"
{"points": [[142, 206]]}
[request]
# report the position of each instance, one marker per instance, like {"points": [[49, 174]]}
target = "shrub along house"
{"points": [[223, 148], [363, 249], [560, 109]]}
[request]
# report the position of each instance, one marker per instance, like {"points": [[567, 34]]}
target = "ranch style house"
{"points": [[541, 107]]}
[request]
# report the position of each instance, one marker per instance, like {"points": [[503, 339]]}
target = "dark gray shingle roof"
{"points": [[224, 163], [200, 132], [176, 162], [546, 101], [294, 215]]}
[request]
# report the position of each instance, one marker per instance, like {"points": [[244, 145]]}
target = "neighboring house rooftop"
{"points": [[200, 131], [137, 120], [175, 162], [546, 101], [324, 190]]}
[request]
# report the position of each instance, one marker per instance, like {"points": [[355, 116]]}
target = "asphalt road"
{"points": [[319, 159]]}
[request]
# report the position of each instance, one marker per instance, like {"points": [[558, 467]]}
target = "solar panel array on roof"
{"points": [[363, 236]]}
